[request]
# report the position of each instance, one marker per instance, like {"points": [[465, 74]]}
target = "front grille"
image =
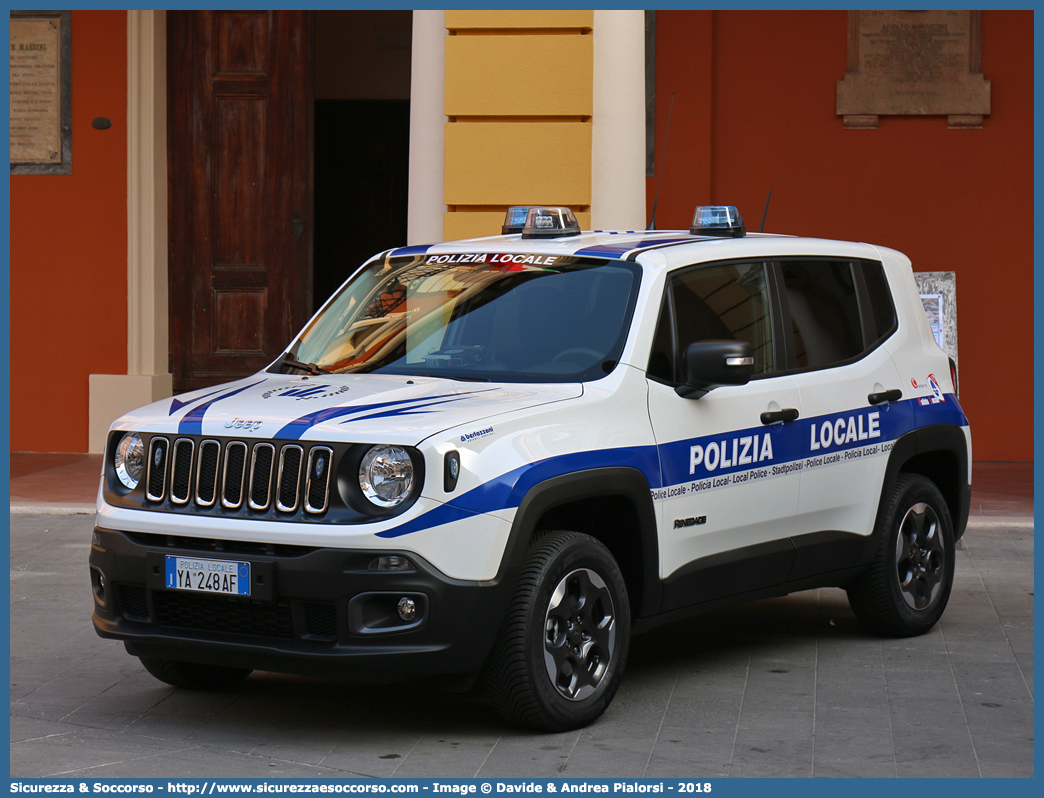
{"points": [[263, 477], [158, 451], [181, 472], [289, 477], [232, 484], [207, 473], [223, 614], [321, 619], [132, 602], [319, 460]]}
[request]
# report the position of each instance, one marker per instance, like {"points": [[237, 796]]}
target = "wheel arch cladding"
{"points": [[612, 505], [939, 453]]}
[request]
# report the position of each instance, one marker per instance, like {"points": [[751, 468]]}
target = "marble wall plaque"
{"points": [[40, 91], [914, 63]]}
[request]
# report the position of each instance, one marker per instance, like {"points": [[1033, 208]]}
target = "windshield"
{"points": [[481, 316]]}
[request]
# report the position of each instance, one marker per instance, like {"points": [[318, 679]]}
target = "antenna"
{"points": [[663, 156], [763, 215]]}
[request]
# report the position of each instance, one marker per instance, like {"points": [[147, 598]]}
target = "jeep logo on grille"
{"points": [[240, 423]]}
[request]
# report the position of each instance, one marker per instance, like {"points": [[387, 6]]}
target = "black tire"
{"points": [[905, 590], [551, 670], [193, 676]]}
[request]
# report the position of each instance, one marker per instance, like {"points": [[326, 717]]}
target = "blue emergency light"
{"points": [[718, 220], [550, 222], [515, 220]]}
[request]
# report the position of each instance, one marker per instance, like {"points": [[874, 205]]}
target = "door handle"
{"points": [[775, 416], [297, 227], [881, 397]]}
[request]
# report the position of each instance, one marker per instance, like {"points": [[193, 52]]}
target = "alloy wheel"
{"points": [[920, 556], [579, 634]]}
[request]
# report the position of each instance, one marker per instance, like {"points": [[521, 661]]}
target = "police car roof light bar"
{"points": [[548, 222], [515, 219], [718, 220]]}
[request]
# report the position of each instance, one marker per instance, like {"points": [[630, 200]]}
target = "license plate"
{"points": [[208, 576]]}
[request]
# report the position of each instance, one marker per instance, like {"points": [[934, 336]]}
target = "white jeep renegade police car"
{"points": [[506, 455]]}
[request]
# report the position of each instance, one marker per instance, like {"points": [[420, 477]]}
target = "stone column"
{"points": [[147, 378], [618, 121], [427, 120]]}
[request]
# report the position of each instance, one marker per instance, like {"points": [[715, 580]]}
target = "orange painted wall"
{"points": [[755, 109], [69, 253]]}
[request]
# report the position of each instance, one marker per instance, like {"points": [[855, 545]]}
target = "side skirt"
{"points": [[775, 568], [837, 578]]}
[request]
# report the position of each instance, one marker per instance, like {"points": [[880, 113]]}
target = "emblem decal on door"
{"points": [[679, 523], [713, 456]]}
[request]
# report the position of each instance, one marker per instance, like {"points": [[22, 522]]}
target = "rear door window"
{"points": [[824, 312], [834, 311]]}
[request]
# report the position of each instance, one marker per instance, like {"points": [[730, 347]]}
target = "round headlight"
{"points": [[130, 459], [386, 475]]}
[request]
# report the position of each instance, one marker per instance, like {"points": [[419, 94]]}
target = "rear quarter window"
{"points": [[882, 309]]}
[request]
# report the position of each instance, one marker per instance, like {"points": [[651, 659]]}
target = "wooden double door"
{"points": [[240, 115]]}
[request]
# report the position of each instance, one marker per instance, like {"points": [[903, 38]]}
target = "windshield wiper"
{"points": [[311, 368]]}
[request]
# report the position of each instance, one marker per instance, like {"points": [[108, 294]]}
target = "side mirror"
{"points": [[711, 364]]}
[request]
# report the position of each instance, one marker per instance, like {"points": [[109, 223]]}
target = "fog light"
{"points": [[98, 585], [407, 609]]}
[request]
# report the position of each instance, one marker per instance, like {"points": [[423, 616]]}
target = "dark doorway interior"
{"points": [[362, 140], [362, 150]]}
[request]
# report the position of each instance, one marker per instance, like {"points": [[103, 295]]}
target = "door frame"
{"points": [[203, 350]]}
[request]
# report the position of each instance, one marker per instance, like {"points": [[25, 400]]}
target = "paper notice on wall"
{"points": [[933, 309], [938, 291]]}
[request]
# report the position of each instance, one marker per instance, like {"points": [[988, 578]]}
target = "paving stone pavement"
{"points": [[781, 687]]}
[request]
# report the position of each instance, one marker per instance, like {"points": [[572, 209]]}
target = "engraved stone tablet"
{"points": [[40, 134], [914, 63]]}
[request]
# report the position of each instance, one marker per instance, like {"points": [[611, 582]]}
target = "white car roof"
{"points": [[678, 247]]}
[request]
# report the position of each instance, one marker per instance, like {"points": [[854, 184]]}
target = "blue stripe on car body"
{"points": [[419, 249], [508, 490], [299, 426], [668, 464], [192, 422], [614, 250], [176, 404]]}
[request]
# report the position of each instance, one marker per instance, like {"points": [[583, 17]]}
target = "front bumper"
{"points": [[316, 611]]}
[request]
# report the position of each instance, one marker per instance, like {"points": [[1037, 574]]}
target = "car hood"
{"points": [[361, 408]]}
